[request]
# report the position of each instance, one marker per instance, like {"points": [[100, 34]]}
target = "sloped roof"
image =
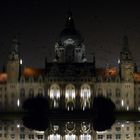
{"points": [[32, 72], [107, 72]]}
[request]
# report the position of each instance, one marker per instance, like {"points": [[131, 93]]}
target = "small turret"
{"points": [[126, 61], [13, 64]]}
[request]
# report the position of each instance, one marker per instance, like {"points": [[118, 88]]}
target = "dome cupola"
{"points": [[70, 48], [69, 34]]}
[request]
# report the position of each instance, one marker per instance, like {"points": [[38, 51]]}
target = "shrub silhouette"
{"points": [[103, 110], [36, 104], [36, 116]]}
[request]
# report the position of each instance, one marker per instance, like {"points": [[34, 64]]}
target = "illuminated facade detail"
{"points": [[85, 137], [18, 102], [54, 95], [70, 93], [54, 137], [70, 137], [85, 96], [70, 97]]}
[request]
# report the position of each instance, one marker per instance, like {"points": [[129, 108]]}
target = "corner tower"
{"points": [[70, 48], [13, 64], [126, 61]]}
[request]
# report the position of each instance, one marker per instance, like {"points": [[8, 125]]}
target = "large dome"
{"points": [[69, 32]]}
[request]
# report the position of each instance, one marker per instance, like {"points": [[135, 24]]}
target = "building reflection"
{"points": [[69, 130]]}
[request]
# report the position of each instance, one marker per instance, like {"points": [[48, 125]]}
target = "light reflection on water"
{"points": [[69, 130]]}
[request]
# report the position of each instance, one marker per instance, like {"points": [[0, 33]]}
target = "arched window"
{"points": [[70, 92], [22, 93], [54, 91], [117, 79], [40, 92], [100, 91], [118, 94], [85, 92], [31, 93], [108, 93], [40, 79], [22, 79], [31, 79], [99, 79]]}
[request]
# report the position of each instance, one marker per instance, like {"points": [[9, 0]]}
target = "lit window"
{"points": [[85, 137], [70, 92], [54, 92], [70, 137], [54, 137], [85, 92]]}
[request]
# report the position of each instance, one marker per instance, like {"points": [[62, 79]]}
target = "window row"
{"points": [[85, 92]]}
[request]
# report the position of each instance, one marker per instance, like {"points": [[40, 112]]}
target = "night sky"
{"points": [[37, 25]]}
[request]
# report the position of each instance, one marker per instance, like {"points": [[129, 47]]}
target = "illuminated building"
{"points": [[70, 82]]}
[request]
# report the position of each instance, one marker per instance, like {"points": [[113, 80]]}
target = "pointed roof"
{"points": [[125, 44], [69, 20], [14, 46], [69, 31]]}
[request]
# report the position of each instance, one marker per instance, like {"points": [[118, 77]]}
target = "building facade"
{"points": [[70, 81], [81, 130]]}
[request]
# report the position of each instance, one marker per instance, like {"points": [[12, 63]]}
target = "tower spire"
{"points": [[15, 45], [125, 43], [69, 20]]}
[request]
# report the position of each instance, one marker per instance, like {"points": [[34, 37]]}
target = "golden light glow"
{"points": [[27, 72], [3, 77], [108, 72], [136, 77]]}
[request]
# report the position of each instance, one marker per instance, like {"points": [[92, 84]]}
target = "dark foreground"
{"points": [[74, 115]]}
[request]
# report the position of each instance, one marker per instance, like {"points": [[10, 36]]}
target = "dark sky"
{"points": [[37, 25]]}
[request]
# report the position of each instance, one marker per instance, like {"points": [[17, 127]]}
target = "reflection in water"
{"points": [[64, 130]]}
